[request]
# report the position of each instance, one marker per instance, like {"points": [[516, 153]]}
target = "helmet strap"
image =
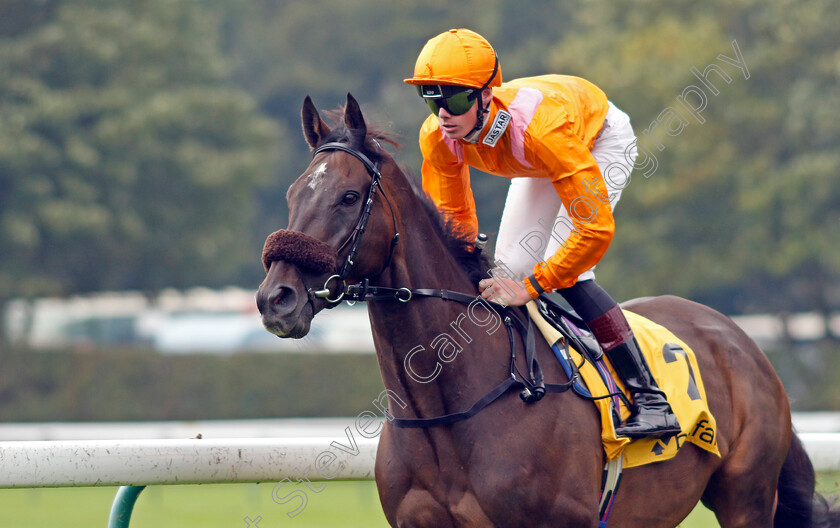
{"points": [[481, 115], [482, 111]]}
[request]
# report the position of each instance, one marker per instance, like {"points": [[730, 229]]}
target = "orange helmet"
{"points": [[457, 57]]}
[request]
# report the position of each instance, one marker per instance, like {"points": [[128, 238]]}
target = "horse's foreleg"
{"points": [[419, 509]]}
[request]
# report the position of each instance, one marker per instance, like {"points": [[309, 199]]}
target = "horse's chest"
{"points": [[490, 488]]}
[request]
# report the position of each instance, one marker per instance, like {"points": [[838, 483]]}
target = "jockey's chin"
{"points": [[457, 127]]}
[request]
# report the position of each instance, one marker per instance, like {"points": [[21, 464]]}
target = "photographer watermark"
{"points": [[671, 121], [689, 107], [329, 463], [480, 315]]}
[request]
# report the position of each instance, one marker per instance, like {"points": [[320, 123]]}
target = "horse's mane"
{"points": [[369, 144], [474, 263]]}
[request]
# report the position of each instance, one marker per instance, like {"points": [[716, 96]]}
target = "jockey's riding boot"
{"points": [[651, 414]]}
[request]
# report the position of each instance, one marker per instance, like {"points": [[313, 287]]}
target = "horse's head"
{"points": [[340, 227]]}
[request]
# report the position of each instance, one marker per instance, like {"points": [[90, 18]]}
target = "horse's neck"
{"points": [[429, 350]]}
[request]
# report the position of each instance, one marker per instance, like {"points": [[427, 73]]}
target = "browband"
{"points": [[369, 165]]}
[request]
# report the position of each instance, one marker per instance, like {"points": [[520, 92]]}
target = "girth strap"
{"points": [[534, 387]]}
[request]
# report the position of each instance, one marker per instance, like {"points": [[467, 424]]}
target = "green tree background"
{"points": [[128, 157], [149, 143]]}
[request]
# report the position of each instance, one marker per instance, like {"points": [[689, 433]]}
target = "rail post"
{"points": [[123, 506]]}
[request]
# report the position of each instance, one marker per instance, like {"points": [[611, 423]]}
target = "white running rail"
{"points": [[144, 462]]}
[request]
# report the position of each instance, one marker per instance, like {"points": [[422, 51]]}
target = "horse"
{"points": [[355, 218]]}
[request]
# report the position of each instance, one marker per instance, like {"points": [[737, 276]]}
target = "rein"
{"points": [[533, 387]]}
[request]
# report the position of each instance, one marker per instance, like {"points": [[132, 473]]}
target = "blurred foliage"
{"points": [[126, 384], [149, 143], [109, 385], [127, 157], [743, 209]]}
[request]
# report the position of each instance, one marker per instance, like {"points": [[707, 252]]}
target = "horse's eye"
{"points": [[350, 197]]}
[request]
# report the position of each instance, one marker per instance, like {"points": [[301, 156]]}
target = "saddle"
{"points": [[570, 330], [671, 361], [573, 329]]}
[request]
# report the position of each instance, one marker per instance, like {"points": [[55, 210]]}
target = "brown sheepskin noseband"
{"points": [[299, 248]]}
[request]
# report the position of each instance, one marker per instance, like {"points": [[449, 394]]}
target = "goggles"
{"points": [[457, 100]]}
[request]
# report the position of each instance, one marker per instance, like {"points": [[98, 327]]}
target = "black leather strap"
{"points": [[362, 292], [369, 165], [489, 398], [446, 419]]}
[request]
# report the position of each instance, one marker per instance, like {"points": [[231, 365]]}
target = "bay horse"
{"points": [[354, 217]]}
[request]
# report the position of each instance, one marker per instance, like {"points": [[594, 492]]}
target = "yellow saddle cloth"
{"points": [[675, 369]]}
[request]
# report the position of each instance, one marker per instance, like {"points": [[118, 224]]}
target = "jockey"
{"points": [[557, 138]]}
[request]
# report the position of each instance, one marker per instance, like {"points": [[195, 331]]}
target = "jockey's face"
{"points": [[458, 126]]}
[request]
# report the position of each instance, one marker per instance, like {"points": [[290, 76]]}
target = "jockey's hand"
{"points": [[504, 291]]}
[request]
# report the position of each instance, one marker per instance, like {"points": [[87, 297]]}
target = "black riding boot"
{"points": [[651, 414]]}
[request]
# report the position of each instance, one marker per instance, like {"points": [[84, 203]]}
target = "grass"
{"points": [[346, 504]]}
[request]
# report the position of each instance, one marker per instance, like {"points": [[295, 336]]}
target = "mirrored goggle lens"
{"points": [[456, 104]]}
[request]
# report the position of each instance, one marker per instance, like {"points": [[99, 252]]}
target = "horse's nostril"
{"points": [[282, 297], [277, 300]]}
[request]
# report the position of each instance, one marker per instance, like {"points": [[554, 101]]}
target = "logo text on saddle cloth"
{"points": [[702, 431], [675, 369]]}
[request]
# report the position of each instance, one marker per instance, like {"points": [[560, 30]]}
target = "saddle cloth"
{"points": [[676, 372]]}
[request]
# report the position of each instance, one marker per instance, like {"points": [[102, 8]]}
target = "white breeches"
{"points": [[533, 207]]}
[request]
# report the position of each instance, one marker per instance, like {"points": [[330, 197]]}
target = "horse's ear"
{"points": [[314, 128], [353, 118]]}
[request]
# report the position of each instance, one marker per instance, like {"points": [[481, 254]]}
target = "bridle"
{"points": [[355, 237], [533, 386]]}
